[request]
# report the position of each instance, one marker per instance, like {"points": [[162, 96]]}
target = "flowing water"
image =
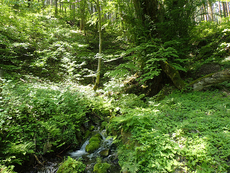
{"points": [[88, 159]]}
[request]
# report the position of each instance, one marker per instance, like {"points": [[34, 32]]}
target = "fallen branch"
{"points": [[112, 60], [40, 163]]}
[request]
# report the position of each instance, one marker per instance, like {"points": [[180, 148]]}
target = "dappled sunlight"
{"points": [[146, 59], [193, 132]]}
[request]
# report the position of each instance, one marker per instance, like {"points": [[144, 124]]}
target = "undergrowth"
{"points": [[185, 132], [45, 118]]}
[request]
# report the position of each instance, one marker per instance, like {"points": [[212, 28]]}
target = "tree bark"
{"points": [[205, 13], [100, 48], [211, 11], [173, 74], [224, 9], [220, 12], [56, 7], [227, 5]]}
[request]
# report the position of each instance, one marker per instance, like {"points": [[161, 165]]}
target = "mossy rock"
{"points": [[94, 143], [72, 166], [101, 167], [104, 153]]}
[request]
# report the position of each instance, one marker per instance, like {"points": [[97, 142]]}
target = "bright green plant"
{"points": [[41, 118], [4, 169], [181, 132], [72, 166]]}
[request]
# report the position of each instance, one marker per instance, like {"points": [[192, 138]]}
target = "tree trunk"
{"points": [[220, 12], [74, 8], [56, 7], [1, 73], [210, 9], [224, 9], [227, 5], [82, 9], [173, 74], [205, 13], [145, 8], [100, 48]]}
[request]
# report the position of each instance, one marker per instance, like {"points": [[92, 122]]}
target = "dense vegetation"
{"points": [[48, 67]]}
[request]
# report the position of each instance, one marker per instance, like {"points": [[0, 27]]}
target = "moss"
{"points": [[71, 166], [104, 153], [173, 74], [94, 143], [101, 167], [91, 128], [199, 79]]}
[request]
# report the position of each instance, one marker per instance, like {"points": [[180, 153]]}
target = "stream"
{"points": [[88, 159]]}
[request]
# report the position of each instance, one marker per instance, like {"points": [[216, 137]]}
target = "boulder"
{"points": [[94, 143]]}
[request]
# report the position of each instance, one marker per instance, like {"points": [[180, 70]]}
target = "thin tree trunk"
{"points": [[100, 48], [205, 13], [74, 13], [210, 9], [227, 5], [220, 12], [56, 7], [82, 9], [224, 9], [201, 14]]}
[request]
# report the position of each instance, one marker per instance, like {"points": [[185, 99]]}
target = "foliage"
{"points": [[4, 169], [210, 43], [185, 132], [180, 133], [43, 45], [41, 118], [144, 59], [71, 166]]}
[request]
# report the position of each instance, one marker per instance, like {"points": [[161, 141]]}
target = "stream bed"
{"points": [[106, 151]]}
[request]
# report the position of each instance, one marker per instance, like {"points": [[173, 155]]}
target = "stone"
{"points": [[104, 153], [94, 143], [101, 167]]}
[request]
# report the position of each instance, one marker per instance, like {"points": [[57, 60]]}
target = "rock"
{"points": [[208, 68], [94, 143], [101, 167], [104, 153], [71, 165]]}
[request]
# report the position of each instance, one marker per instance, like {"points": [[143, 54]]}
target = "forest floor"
{"points": [[185, 132]]}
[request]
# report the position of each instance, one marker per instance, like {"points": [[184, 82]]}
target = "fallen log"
{"points": [[210, 79], [198, 84]]}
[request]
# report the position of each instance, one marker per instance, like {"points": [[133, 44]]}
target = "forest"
{"points": [[114, 86]]}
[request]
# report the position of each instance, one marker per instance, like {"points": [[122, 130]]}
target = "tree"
{"points": [[100, 48]]}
